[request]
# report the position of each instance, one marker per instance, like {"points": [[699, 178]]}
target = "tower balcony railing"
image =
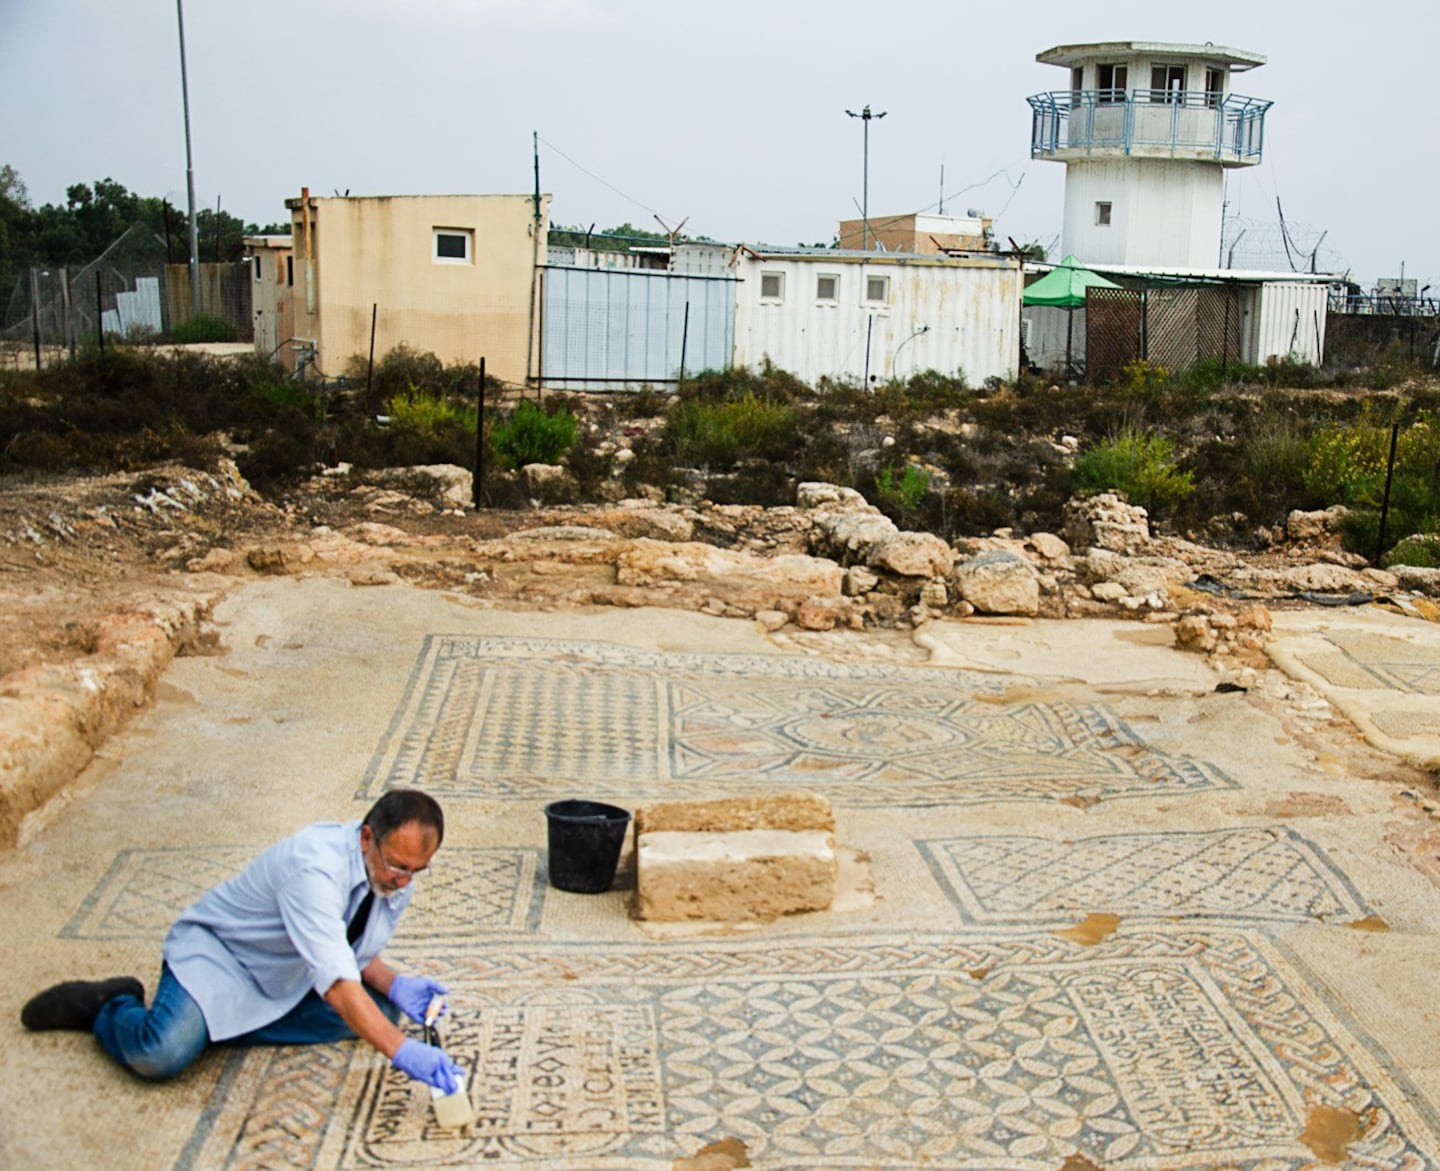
{"points": [[1190, 124]]}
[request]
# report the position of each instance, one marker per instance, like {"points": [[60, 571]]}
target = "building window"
{"points": [[772, 286], [1111, 81], [452, 245], [827, 288], [1102, 214], [1214, 87], [877, 289], [290, 271], [1167, 83], [258, 275]]}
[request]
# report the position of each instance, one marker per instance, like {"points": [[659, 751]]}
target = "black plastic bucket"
{"points": [[585, 841]]}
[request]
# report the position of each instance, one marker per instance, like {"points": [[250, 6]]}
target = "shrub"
{"points": [[531, 436], [1422, 549], [428, 413], [1348, 466], [203, 328], [1139, 465], [906, 492], [719, 434]]}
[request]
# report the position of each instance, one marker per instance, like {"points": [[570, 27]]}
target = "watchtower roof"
{"points": [[1237, 59]]}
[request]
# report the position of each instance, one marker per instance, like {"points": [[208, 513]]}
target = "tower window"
{"points": [[1214, 87], [1167, 83], [1102, 214], [1111, 81], [1077, 79]]}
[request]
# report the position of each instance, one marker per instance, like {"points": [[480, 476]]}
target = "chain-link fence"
{"points": [[129, 293]]}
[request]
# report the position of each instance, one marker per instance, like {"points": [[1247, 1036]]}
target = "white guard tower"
{"points": [[1146, 131]]}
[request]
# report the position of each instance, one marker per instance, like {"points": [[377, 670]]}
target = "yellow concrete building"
{"points": [[451, 274]]}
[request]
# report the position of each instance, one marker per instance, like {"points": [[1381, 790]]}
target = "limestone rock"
{"points": [[817, 614], [817, 495], [912, 555], [859, 581], [1325, 579], [771, 620], [1107, 522], [1048, 547], [279, 559], [1314, 526], [448, 485], [999, 583], [934, 594], [1421, 579], [1108, 591], [548, 480], [1152, 576]]}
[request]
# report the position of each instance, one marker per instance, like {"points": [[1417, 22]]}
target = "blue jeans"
{"points": [[161, 1041]]}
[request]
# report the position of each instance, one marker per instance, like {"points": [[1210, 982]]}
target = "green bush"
{"points": [[906, 491], [1348, 465], [719, 434], [1140, 466], [532, 436], [1422, 549], [203, 328]]}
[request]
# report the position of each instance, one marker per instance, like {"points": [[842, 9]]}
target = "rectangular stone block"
{"points": [[784, 811], [733, 877]]}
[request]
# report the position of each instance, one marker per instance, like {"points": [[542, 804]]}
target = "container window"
{"points": [[452, 245], [877, 289], [827, 288], [258, 275], [772, 286], [1102, 214]]}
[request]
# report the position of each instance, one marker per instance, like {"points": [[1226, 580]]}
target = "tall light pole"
{"points": [[189, 171], [865, 116]]}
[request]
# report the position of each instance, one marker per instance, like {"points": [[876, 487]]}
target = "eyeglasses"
{"points": [[390, 867], [401, 871]]}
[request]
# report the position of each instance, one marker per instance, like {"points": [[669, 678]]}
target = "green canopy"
{"points": [[1064, 286]]}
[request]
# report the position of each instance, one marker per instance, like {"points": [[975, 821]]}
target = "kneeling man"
{"points": [[287, 952]]}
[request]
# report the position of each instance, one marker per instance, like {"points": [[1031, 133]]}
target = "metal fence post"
{"points": [[479, 478], [1385, 501], [99, 314], [370, 372]]}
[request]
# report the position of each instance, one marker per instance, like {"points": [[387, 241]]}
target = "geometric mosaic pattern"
{"points": [[1366, 661], [467, 893], [532, 720], [1179, 1048], [1260, 874]]}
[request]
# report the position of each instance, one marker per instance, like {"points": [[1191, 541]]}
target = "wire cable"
{"points": [[602, 182]]}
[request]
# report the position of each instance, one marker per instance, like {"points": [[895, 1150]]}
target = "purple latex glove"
{"points": [[412, 995], [426, 1063]]}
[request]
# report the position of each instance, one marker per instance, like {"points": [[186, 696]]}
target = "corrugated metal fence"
{"points": [[605, 329]]}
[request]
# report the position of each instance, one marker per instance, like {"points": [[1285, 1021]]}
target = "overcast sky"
{"points": [[729, 113]]}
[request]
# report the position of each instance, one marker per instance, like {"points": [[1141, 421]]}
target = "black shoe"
{"points": [[75, 1004]]}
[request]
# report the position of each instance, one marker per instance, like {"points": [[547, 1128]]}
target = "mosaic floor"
{"points": [[1361, 659], [528, 720], [1191, 1036]]}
